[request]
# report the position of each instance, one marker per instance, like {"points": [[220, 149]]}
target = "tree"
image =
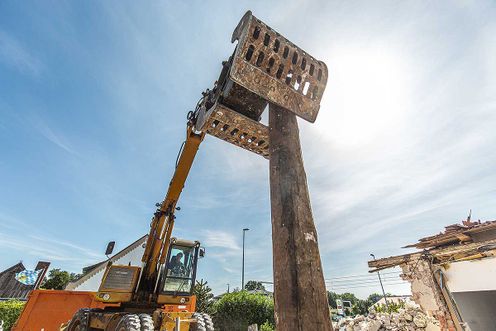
{"points": [[373, 298], [331, 299], [204, 297], [349, 297], [358, 306], [253, 285], [58, 279], [361, 307]]}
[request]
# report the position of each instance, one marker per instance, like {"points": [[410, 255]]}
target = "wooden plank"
{"points": [[392, 261], [299, 288]]}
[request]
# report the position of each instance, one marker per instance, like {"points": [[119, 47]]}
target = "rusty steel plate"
{"points": [[228, 125], [271, 66]]}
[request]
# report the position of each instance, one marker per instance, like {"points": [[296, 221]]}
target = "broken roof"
{"points": [[465, 241], [455, 234]]}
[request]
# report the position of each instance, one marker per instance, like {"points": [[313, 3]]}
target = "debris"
{"points": [[408, 318]]}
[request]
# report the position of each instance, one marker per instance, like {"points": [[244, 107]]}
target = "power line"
{"points": [[360, 283], [360, 280], [365, 283], [368, 285], [364, 275], [393, 275]]}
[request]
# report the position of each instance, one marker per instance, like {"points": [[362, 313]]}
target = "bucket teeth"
{"points": [[228, 125]]}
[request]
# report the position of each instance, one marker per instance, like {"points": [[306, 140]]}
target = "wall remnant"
{"points": [[426, 292]]}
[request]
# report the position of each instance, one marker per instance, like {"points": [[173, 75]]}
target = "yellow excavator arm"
{"points": [[162, 222]]}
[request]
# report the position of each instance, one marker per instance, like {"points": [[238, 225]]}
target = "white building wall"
{"points": [[475, 275], [133, 258]]}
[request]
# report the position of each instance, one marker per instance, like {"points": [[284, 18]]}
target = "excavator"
{"points": [[158, 295]]}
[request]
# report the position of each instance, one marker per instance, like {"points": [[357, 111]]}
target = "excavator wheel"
{"points": [[79, 321], [208, 322], [203, 323], [129, 322], [146, 322]]}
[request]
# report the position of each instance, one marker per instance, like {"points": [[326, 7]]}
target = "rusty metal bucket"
{"points": [[265, 68]]}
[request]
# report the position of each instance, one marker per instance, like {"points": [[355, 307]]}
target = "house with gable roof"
{"points": [[92, 275]]}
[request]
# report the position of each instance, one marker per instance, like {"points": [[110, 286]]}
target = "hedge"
{"points": [[236, 311], [9, 312]]}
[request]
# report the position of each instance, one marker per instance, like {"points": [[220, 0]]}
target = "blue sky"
{"points": [[93, 99]]}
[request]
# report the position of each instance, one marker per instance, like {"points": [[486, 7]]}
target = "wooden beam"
{"points": [[442, 254], [299, 287], [393, 261]]}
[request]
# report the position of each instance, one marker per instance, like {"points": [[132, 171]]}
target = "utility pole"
{"points": [[382, 287], [227, 287], [299, 287], [243, 264]]}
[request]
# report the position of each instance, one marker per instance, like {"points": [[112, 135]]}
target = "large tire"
{"points": [[79, 322], [146, 322], [209, 325], [199, 325], [203, 323], [129, 322]]}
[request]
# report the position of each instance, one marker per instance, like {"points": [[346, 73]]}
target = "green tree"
{"points": [[349, 297], [373, 298], [57, 279], [236, 311], [204, 297], [254, 285], [360, 307], [331, 299]]}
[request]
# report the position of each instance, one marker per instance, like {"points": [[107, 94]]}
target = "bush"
{"points": [[267, 326], [392, 307], [236, 311], [9, 312]]}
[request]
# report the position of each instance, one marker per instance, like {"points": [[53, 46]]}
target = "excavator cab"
{"points": [[177, 280], [180, 270]]}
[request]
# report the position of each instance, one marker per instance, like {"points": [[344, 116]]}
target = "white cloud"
{"points": [[222, 239]]}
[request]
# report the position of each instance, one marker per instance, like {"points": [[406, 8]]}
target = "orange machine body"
{"points": [[49, 309]]}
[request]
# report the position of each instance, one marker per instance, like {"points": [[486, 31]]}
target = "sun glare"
{"points": [[367, 95]]}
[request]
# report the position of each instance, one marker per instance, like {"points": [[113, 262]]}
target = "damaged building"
{"points": [[453, 275]]}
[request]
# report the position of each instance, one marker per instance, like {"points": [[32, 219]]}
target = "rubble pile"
{"points": [[410, 318]]}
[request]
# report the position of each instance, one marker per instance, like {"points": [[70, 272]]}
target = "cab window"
{"points": [[179, 269]]}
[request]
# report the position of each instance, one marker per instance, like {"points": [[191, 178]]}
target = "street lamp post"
{"points": [[380, 281], [243, 264]]}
